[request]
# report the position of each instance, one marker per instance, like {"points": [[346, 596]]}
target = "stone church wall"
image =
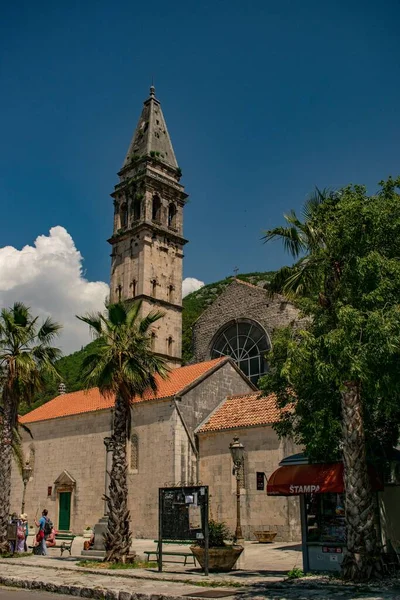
{"points": [[155, 424], [237, 301], [263, 451], [201, 400], [74, 444]]}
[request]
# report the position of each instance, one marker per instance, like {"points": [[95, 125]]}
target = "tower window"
{"points": [[137, 210], [124, 215], [169, 344], [153, 287], [134, 462], [172, 215], [170, 293], [156, 212], [119, 292], [133, 285], [153, 340]]}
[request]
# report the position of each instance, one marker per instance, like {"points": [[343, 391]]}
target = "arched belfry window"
{"points": [[156, 210], [246, 342], [137, 210], [124, 215], [172, 215], [134, 454]]}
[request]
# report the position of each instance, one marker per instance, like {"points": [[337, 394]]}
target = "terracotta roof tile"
{"points": [[243, 411], [91, 400]]}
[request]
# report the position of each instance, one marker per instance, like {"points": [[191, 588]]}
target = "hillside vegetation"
{"points": [[70, 367]]}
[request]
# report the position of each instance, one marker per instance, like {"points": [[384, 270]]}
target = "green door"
{"points": [[65, 511]]}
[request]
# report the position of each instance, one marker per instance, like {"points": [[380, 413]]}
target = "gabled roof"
{"points": [[244, 410], [229, 289], [151, 134], [75, 403]]}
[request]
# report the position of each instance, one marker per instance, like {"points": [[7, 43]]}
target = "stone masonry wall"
{"points": [[154, 423], [263, 451], [237, 301], [200, 401], [74, 444]]}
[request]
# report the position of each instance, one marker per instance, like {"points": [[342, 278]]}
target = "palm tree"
{"points": [[121, 365], [26, 357], [317, 274]]}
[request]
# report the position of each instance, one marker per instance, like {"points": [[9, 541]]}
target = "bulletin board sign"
{"points": [[183, 516]]}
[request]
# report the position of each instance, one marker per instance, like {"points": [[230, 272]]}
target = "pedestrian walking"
{"points": [[45, 527]]}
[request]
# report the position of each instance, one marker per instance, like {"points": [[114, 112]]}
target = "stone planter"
{"points": [[219, 559], [87, 533], [265, 537]]}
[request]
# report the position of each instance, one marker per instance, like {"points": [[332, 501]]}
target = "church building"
{"points": [[182, 433]]}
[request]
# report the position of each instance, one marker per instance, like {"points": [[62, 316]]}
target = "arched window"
{"points": [[246, 342], [153, 287], [172, 215], [169, 344], [134, 454], [124, 215], [137, 210], [156, 212], [153, 338]]}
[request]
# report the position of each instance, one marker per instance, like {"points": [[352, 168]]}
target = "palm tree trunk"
{"points": [[118, 536], [5, 470], [362, 560]]}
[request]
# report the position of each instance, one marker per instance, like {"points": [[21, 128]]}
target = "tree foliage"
{"points": [[122, 365], [349, 279], [27, 357]]}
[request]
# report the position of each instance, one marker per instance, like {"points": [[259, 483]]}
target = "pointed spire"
{"points": [[151, 136]]}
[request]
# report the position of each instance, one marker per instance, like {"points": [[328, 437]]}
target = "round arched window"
{"points": [[246, 343]]}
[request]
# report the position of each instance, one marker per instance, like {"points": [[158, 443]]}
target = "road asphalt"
{"points": [[13, 594]]}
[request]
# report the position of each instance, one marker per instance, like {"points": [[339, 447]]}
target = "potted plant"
{"points": [[265, 537], [221, 556]]}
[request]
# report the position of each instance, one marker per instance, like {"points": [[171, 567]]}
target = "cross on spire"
{"points": [[236, 271]]}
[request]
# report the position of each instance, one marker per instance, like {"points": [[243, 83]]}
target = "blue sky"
{"points": [[263, 100]]}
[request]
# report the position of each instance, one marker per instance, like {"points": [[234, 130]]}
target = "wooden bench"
{"points": [[185, 555], [65, 540]]}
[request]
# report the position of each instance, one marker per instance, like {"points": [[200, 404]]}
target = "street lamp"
{"points": [[26, 475], [237, 453]]}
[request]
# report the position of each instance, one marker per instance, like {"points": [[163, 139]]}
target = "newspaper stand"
{"points": [[183, 516]]}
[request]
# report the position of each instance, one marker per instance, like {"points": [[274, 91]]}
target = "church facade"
{"points": [[182, 433]]}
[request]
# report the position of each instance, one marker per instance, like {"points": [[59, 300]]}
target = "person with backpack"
{"points": [[45, 527]]}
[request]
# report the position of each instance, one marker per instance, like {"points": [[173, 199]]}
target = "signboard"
{"points": [[260, 481], [183, 516]]}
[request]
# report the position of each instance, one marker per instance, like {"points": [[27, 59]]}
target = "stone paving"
{"points": [[264, 581]]}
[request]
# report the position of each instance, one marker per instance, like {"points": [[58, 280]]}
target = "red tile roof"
{"points": [[243, 411], [91, 400]]}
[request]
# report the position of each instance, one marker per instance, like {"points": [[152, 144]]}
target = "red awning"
{"points": [[293, 480]]}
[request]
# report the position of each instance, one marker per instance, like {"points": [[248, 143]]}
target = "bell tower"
{"points": [[147, 240]]}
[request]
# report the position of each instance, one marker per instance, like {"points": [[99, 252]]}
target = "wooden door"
{"points": [[64, 517]]}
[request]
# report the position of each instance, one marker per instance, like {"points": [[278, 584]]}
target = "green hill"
{"points": [[70, 367]]}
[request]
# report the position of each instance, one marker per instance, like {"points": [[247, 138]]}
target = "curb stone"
{"points": [[83, 592]]}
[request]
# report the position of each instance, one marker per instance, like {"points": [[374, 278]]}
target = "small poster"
{"points": [[194, 517]]}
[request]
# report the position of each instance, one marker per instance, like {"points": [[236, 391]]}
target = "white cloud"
{"points": [[191, 284], [48, 277]]}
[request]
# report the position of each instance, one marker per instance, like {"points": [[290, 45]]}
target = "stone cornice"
{"points": [[177, 307], [173, 236]]}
